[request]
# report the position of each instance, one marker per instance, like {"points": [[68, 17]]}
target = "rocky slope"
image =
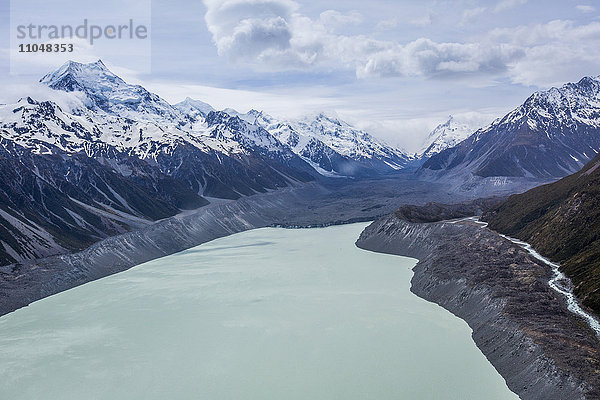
{"points": [[562, 222], [433, 212], [57, 202], [520, 324], [553, 134]]}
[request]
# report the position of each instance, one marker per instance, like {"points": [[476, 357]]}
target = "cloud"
{"points": [[424, 57], [585, 8], [254, 36], [504, 5], [18, 89], [334, 19], [388, 24], [422, 21], [247, 28], [555, 52], [274, 36], [470, 14]]}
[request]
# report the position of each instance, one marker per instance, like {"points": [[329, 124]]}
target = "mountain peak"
{"points": [[73, 76], [328, 116], [108, 92], [445, 135], [194, 104], [192, 107], [588, 79], [586, 89]]}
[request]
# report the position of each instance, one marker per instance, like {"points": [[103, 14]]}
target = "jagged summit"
{"points": [[108, 92], [333, 146], [444, 136], [135, 121], [72, 76], [570, 95]]}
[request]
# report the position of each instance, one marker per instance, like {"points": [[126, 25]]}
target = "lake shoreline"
{"points": [[302, 205], [332, 322], [541, 349]]}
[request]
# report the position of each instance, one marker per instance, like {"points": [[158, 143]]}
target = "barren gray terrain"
{"points": [[520, 324]]}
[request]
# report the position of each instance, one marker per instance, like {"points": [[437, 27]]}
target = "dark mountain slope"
{"points": [[56, 203], [562, 222]]}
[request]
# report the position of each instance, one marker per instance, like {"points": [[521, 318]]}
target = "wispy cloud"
{"points": [[335, 19], [585, 8], [387, 24], [470, 14], [504, 5], [423, 21]]}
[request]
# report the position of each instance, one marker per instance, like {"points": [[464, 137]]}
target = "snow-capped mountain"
{"points": [[107, 92], [196, 110], [118, 157], [444, 136], [333, 147], [122, 158], [551, 135], [126, 119]]}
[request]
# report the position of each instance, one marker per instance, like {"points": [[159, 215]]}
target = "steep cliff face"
{"points": [[562, 222], [521, 325]]}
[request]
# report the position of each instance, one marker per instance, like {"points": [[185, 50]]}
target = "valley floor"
{"points": [[541, 349]]}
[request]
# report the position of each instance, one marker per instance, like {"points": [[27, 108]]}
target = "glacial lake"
{"points": [[266, 314]]}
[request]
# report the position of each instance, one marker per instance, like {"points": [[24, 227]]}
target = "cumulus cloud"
{"points": [[247, 28], [274, 35], [271, 32], [428, 58]]}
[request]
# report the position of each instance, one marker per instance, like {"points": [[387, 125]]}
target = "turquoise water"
{"points": [[266, 314]]}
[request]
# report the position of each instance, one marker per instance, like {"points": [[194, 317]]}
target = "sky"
{"points": [[394, 68]]}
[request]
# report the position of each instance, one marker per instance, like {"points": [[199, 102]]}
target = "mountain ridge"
{"points": [[551, 135], [119, 157]]}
